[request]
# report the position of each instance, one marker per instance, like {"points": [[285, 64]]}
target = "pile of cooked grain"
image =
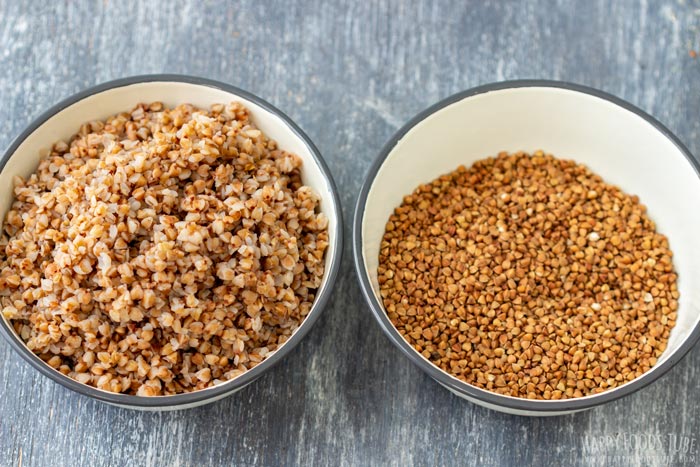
{"points": [[529, 276], [162, 251]]}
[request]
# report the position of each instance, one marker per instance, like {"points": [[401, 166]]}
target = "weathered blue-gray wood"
{"points": [[350, 73]]}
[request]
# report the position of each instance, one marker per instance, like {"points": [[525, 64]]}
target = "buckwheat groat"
{"points": [[529, 276], [161, 251]]}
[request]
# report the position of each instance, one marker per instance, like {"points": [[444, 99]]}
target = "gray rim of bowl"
{"points": [[249, 376], [439, 375]]}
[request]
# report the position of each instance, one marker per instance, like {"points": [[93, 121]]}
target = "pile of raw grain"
{"points": [[529, 276], [161, 251]]}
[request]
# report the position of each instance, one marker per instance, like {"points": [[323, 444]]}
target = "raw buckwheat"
{"points": [[529, 276], [161, 251]]}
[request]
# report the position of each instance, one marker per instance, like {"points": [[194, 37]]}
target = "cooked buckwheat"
{"points": [[529, 276], [161, 251]]}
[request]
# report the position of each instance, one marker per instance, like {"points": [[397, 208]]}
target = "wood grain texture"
{"points": [[350, 73]]}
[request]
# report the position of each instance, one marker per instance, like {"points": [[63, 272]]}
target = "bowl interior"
{"points": [[618, 144], [63, 124]]}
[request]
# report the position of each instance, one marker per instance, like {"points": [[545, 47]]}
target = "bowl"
{"points": [[616, 140], [99, 102]]}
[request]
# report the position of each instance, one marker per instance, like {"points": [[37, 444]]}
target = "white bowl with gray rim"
{"points": [[102, 101], [615, 139]]}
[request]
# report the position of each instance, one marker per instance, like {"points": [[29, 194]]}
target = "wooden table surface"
{"points": [[350, 73]]}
